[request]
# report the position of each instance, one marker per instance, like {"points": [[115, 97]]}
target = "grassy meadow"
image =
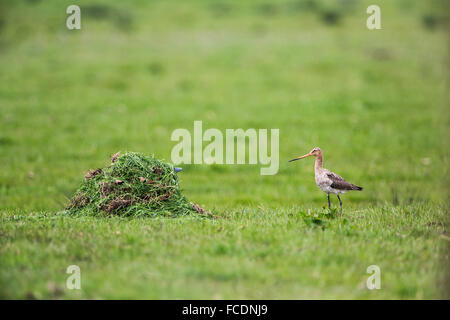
{"points": [[375, 102]]}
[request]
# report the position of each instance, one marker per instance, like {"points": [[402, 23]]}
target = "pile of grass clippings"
{"points": [[133, 185]]}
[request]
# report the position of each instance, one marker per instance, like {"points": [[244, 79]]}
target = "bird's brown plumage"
{"points": [[327, 181], [339, 183]]}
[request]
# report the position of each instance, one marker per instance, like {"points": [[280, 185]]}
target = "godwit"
{"points": [[327, 181]]}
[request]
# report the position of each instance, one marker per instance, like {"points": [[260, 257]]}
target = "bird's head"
{"points": [[314, 152]]}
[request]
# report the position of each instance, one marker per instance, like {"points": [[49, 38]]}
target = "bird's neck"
{"points": [[319, 160]]}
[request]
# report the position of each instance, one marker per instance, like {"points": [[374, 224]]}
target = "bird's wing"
{"points": [[337, 182]]}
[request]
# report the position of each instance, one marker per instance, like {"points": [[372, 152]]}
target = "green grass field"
{"points": [[376, 102]]}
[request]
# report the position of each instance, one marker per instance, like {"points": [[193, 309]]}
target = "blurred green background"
{"points": [[372, 100], [376, 102]]}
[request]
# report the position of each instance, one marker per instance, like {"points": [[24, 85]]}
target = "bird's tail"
{"points": [[356, 188]]}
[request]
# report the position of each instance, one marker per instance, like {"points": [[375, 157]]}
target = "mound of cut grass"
{"points": [[132, 185]]}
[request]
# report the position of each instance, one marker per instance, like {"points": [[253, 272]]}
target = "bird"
{"points": [[327, 181]]}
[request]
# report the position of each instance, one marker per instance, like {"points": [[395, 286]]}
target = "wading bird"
{"points": [[327, 181]]}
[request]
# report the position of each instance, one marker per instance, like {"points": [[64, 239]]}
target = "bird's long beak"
{"points": [[306, 155]]}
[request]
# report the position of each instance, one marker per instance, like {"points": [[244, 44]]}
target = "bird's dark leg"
{"points": [[329, 206], [340, 202]]}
